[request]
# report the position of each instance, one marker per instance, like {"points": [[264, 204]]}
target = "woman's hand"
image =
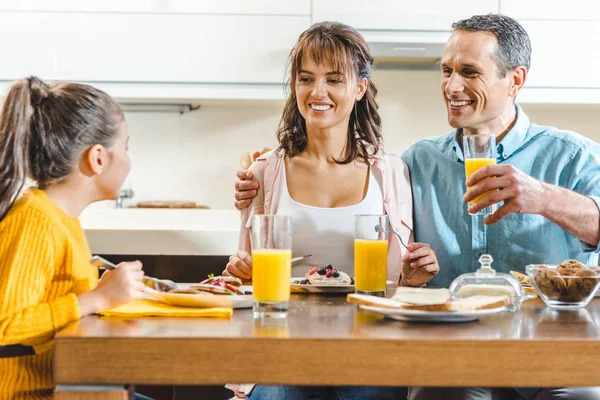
{"points": [[419, 265], [239, 265]]}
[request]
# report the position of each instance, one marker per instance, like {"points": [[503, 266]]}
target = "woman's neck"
{"points": [[326, 144], [70, 197]]}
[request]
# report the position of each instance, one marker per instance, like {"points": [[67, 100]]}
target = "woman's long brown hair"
{"points": [[43, 130], [344, 49]]}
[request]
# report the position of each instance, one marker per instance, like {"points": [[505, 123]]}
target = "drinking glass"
{"points": [[271, 265], [479, 151], [370, 254]]}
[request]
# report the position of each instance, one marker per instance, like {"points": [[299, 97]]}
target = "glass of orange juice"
{"points": [[271, 265], [480, 151], [370, 254]]}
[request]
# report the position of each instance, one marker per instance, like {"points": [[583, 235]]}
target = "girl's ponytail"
{"points": [[15, 131]]}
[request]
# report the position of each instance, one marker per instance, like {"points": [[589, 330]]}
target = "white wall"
{"points": [[195, 156]]}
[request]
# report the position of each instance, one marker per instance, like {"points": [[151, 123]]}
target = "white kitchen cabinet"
{"points": [[565, 54], [262, 7], [585, 10], [432, 15], [101, 47]]}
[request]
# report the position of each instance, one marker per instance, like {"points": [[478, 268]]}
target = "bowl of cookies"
{"points": [[569, 285]]}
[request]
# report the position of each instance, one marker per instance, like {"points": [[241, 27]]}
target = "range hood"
{"points": [[406, 48]]}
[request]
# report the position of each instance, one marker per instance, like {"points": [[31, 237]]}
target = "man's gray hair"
{"points": [[514, 47]]}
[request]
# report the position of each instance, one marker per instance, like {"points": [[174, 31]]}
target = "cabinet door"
{"points": [[263, 7], [564, 54], [400, 15], [586, 10], [148, 47]]}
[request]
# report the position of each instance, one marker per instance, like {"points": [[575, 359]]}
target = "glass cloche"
{"points": [[486, 281]]}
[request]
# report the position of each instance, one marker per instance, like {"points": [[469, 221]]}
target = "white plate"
{"points": [[201, 300], [298, 288], [434, 316]]}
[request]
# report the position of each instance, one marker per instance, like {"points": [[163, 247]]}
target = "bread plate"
{"points": [[434, 316]]}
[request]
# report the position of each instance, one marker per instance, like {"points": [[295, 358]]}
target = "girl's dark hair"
{"points": [[345, 50], [44, 129]]}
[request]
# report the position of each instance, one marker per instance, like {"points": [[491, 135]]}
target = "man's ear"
{"points": [[94, 159], [518, 78], [363, 84]]}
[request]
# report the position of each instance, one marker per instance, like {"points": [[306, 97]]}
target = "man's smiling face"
{"points": [[474, 92]]}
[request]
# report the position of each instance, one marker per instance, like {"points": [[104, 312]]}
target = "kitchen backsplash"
{"points": [[195, 156]]}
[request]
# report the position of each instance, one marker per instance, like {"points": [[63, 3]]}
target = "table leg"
{"points": [[81, 392]]}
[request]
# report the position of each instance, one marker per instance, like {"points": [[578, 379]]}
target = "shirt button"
{"points": [[397, 228], [387, 200], [505, 155]]}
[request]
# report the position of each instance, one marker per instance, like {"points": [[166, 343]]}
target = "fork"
{"points": [[161, 285], [380, 229]]}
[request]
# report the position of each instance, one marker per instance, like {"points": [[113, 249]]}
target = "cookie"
{"points": [[570, 267], [524, 279], [582, 286], [550, 283]]}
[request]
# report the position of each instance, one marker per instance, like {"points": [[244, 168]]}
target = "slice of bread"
{"points": [[423, 296], [481, 302], [472, 303], [486, 289], [366, 300]]}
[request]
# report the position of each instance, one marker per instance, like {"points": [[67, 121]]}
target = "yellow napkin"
{"points": [[153, 308]]}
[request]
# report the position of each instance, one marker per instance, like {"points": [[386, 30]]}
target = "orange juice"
{"points": [[364, 318], [271, 328], [370, 265], [271, 275], [474, 164]]}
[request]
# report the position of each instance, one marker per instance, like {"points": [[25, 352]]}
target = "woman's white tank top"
{"points": [[326, 233]]}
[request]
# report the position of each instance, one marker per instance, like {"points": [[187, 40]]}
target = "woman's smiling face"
{"points": [[326, 96]]}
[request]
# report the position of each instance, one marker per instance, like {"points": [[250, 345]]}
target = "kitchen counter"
{"points": [[161, 231]]}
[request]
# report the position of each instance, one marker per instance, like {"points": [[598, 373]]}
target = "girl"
{"points": [[329, 167], [71, 141]]}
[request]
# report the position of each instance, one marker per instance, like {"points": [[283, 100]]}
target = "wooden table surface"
{"points": [[326, 341]]}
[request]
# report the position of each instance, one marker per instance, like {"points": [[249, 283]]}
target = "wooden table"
{"points": [[326, 341]]}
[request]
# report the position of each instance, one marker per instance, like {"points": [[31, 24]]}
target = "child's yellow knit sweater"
{"points": [[44, 265]]}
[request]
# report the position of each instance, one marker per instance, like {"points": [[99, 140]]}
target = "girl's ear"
{"points": [[362, 88], [95, 159]]}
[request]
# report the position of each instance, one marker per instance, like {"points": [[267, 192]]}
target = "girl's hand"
{"points": [[116, 287]]}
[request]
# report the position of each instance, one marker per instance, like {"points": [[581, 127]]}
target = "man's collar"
{"points": [[511, 142], [515, 137]]}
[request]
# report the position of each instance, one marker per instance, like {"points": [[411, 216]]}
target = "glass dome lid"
{"points": [[486, 281]]}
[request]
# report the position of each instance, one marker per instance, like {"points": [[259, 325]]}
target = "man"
{"points": [[546, 181]]}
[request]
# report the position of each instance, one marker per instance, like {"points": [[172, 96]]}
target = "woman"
{"points": [[329, 167]]}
